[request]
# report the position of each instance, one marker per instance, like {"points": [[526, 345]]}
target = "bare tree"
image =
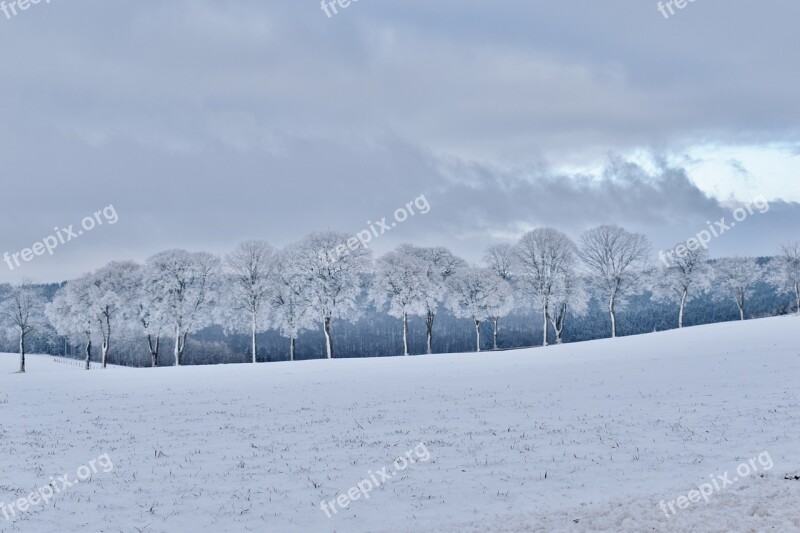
{"points": [[189, 283], [682, 278], [248, 270], [334, 265], [736, 277], [616, 261], [478, 293], [786, 275], [401, 280], [23, 311], [541, 259]]}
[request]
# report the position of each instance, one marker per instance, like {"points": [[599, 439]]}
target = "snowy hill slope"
{"points": [[579, 437]]}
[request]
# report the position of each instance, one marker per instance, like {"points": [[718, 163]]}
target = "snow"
{"points": [[578, 437]]}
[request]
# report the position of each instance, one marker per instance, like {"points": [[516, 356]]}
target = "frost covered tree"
{"points": [[290, 298], [568, 296], [500, 259], [22, 311], [785, 274], [72, 314], [500, 304], [440, 265], [401, 282], [334, 266], [541, 258], [150, 311], [189, 282], [96, 305], [617, 262], [248, 271], [736, 277], [112, 288], [682, 278], [477, 294]]}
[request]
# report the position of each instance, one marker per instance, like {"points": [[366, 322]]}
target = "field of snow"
{"points": [[579, 437]]}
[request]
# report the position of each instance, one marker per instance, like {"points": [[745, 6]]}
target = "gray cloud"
{"points": [[209, 122]]}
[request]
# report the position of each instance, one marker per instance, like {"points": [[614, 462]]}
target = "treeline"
{"points": [[327, 292]]}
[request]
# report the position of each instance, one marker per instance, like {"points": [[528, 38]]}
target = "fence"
{"points": [[78, 363]]}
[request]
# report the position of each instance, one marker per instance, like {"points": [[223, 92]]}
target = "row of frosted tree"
{"points": [[326, 276]]}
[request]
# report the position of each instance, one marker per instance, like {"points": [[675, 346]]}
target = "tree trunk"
{"points": [[326, 326], [253, 338], [797, 295], [292, 341], [153, 350], [544, 325], [559, 340], [683, 307], [106, 340], [105, 347], [494, 333], [558, 322], [429, 332], [177, 351], [405, 333], [183, 344], [22, 352], [740, 302], [88, 354], [613, 311], [478, 335]]}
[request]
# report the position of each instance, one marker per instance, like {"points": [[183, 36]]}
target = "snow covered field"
{"points": [[579, 437]]}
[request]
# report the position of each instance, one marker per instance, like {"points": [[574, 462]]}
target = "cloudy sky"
{"points": [[206, 123]]}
